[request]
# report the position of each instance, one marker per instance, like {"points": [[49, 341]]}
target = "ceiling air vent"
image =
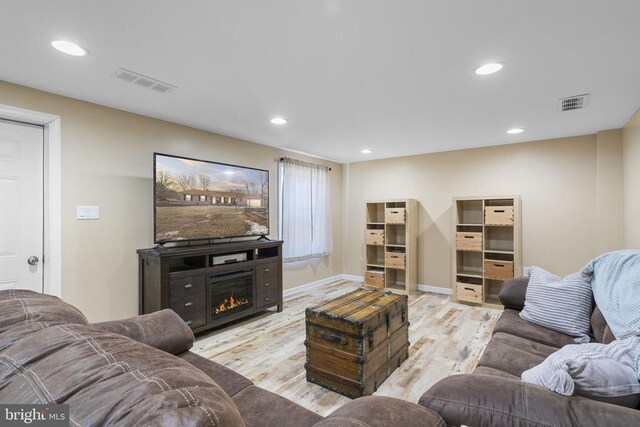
{"points": [[577, 102], [143, 81]]}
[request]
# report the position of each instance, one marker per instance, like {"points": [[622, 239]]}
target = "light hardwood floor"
{"points": [[446, 338]]}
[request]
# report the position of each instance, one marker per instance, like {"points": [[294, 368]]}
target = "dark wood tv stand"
{"points": [[186, 280]]}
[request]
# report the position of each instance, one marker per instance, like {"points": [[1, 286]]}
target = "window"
{"points": [[203, 198], [187, 197], [305, 210]]}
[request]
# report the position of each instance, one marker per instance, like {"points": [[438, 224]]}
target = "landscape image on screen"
{"points": [[204, 200]]}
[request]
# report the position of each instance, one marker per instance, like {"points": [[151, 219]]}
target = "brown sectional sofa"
{"points": [[494, 395], [140, 371]]}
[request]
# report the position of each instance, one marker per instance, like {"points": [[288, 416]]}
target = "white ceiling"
{"points": [[393, 76]]}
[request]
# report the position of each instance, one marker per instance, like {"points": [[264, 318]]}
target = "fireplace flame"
{"points": [[230, 303]]}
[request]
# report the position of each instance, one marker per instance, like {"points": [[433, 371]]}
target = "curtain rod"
{"points": [[300, 162]]}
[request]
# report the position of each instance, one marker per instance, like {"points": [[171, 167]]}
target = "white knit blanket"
{"points": [[553, 372], [615, 281]]}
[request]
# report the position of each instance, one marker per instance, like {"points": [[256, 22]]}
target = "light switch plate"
{"points": [[87, 212]]}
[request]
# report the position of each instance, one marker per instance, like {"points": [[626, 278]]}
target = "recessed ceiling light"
{"points": [[69, 48], [515, 130], [278, 121], [490, 68], [366, 151]]}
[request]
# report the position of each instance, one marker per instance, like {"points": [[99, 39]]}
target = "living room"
{"points": [[436, 131]]}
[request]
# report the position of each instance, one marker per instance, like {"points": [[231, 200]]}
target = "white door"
{"points": [[21, 206]]}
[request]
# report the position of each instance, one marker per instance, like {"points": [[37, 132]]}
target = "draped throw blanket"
{"points": [[615, 280], [555, 372]]}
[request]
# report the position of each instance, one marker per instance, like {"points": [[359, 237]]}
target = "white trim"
{"points": [[52, 263], [311, 285], [352, 277], [435, 289]]}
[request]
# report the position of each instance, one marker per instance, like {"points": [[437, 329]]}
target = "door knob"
{"points": [[33, 260]]}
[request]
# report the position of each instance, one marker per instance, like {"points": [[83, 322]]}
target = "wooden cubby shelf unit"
{"points": [[391, 245], [486, 247]]}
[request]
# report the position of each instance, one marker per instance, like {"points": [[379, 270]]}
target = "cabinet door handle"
{"points": [[266, 284], [266, 270], [266, 299], [189, 322], [498, 265], [469, 289], [188, 304], [188, 286]]}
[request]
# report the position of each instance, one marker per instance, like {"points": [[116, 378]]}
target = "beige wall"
{"points": [[562, 183], [631, 168], [609, 191], [107, 161]]}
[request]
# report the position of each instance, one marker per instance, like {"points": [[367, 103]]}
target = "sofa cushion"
{"points": [[378, 411], [561, 304], [489, 401], [510, 322], [230, 381], [163, 329], [484, 370], [260, 407], [513, 293], [107, 378], [512, 354], [23, 307], [601, 331]]}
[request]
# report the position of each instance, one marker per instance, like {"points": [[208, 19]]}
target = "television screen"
{"points": [[197, 199]]}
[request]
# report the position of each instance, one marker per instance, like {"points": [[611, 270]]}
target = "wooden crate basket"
{"points": [[395, 216], [498, 215], [374, 237], [374, 278], [395, 259], [498, 269], [469, 241], [469, 292]]}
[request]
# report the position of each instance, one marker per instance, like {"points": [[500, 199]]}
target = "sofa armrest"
{"points": [[378, 411], [164, 330], [487, 400], [513, 293]]}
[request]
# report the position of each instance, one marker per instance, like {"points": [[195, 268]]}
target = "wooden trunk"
{"points": [[356, 341]]}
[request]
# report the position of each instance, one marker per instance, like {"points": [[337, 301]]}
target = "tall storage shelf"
{"points": [[486, 247], [391, 245]]}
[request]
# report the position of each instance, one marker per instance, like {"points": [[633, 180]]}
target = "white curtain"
{"points": [[305, 210]]}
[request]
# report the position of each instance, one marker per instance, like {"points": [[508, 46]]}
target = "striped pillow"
{"points": [[561, 304]]}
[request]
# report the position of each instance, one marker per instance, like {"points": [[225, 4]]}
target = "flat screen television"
{"points": [[199, 200]]}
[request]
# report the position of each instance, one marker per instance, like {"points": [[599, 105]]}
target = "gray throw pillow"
{"points": [[606, 380], [562, 304]]}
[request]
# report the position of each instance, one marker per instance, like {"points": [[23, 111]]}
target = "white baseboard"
{"points": [[354, 278], [311, 285], [435, 289]]}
